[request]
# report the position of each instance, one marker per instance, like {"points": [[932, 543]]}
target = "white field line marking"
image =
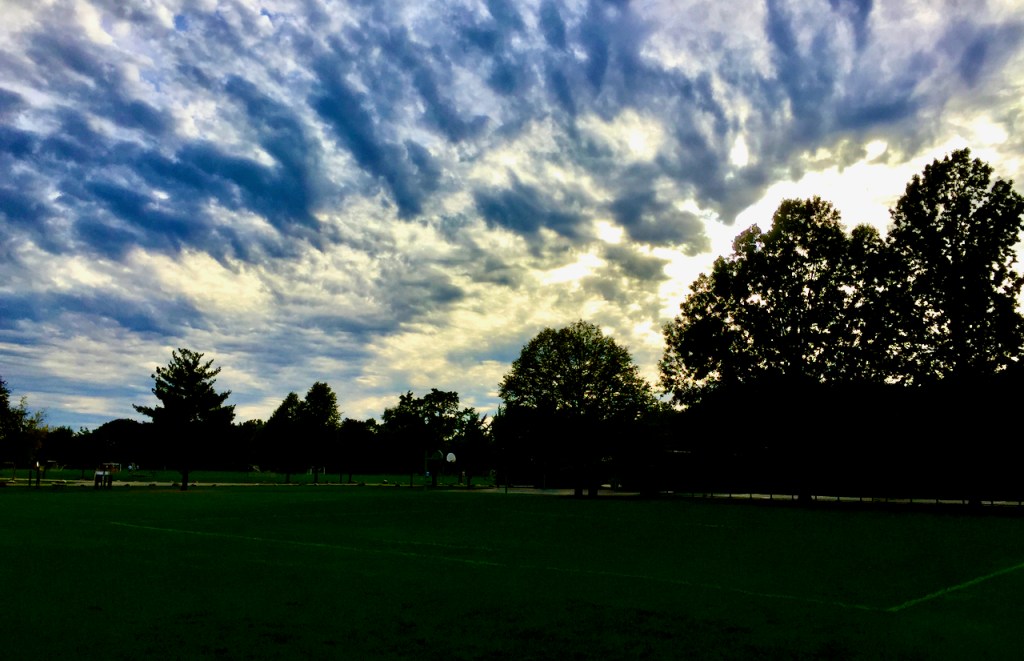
{"points": [[503, 565], [953, 588], [337, 547]]}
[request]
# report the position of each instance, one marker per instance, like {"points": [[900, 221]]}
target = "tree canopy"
{"points": [[576, 371], [955, 233], [186, 393], [191, 412], [569, 401], [303, 432], [22, 432], [807, 302], [319, 421], [7, 417], [774, 308], [420, 427], [319, 410]]}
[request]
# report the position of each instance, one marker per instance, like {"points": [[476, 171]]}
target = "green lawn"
{"points": [[401, 573]]}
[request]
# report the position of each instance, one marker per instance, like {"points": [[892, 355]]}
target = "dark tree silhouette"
{"points": [[572, 387], [778, 308], [281, 439], [22, 432], [122, 441], [955, 232], [812, 324], [244, 450], [8, 422], [471, 444], [403, 431], [877, 299], [319, 421], [191, 414], [359, 447], [424, 429]]}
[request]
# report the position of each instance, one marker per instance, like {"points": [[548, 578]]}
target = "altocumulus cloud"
{"points": [[392, 196]]}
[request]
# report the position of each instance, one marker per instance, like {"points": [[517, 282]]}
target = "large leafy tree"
{"points": [[319, 421], [777, 308], [472, 446], [22, 432], [566, 385], [876, 299], [955, 232], [578, 371], [191, 413], [280, 439], [8, 426], [426, 427]]}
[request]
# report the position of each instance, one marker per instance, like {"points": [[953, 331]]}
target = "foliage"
{"points": [[191, 413], [777, 308], [420, 427], [303, 433], [280, 437], [319, 421], [186, 393], [956, 233], [579, 372], [473, 447], [358, 438], [570, 401], [319, 410], [123, 441], [805, 303], [287, 412], [7, 425], [22, 432]]}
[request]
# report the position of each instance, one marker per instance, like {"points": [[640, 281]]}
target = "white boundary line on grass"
{"points": [[487, 563], [338, 547], [953, 588]]}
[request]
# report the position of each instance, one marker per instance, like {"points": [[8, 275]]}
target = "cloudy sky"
{"points": [[390, 195]]}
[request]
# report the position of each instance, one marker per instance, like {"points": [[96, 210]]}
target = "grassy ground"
{"points": [[400, 573]]}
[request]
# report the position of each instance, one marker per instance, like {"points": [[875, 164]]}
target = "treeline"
{"points": [[811, 360], [302, 434], [814, 360]]}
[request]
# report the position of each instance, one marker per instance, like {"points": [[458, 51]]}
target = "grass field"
{"points": [[352, 572]]}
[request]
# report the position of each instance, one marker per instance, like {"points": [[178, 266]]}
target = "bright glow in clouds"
{"points": [[630, 135], [395, 196], [739, 155], [584, 266], [208, 284]]}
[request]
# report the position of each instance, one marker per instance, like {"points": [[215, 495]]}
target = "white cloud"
{"points": [[709, 120], [208, 284], [630, 135]]}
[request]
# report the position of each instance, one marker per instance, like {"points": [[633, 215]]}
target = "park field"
{"points": [[365, 572]]}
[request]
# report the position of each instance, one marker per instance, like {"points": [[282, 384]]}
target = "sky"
{"points": [[390, 196]]}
